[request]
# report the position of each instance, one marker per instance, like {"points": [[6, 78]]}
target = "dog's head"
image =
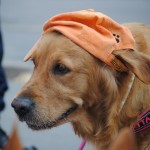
{"points": [[68, 83], [63, 76]]}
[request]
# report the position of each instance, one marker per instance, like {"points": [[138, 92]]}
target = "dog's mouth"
{"points": [[37, 125]]}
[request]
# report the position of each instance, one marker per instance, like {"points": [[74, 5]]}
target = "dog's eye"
{"points": [[60, 69]]}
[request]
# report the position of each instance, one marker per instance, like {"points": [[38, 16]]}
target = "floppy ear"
{"points": [[136, 62]]}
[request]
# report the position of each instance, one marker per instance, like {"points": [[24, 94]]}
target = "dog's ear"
{"points": [[136, 62]]}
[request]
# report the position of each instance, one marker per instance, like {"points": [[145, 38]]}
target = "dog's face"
{"points": [[69, 85], [61, 85]]}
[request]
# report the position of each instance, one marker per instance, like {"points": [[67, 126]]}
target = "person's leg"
{"points": [[3, 138], [3, 82], [3, 88]]}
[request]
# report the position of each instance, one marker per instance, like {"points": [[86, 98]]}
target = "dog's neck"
{"points": [[88, 128], [136, 103], [98, 123], [101, 129]]}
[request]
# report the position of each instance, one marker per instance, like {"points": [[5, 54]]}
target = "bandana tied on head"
{"points": [[95, 32]]}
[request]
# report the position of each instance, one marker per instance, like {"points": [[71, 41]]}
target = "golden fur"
{"points": [[94, 87], [124, 141]]}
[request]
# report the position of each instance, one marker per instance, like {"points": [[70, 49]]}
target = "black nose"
{"points": [[22, 106]]}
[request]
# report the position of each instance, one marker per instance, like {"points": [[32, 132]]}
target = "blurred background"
{"points": [[21, 24]]}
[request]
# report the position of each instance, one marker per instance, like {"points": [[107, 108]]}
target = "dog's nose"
{"points": [[22, 106]]}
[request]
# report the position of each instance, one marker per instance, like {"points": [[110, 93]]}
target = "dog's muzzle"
{"points": [[26, 111]]}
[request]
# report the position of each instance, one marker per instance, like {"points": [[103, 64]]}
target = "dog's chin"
{"points": [[41, 126], [36, 124]]}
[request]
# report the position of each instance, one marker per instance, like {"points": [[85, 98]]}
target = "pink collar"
{"points": [[143, 122], [82, 145]]}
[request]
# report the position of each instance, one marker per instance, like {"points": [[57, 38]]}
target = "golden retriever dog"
{"points": [[70, 85]]}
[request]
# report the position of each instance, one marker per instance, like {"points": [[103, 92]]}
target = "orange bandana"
{"points": [[94, 32]]}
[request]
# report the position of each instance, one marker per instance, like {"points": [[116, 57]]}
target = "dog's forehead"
{"points": [[53, 42], [39, 45]]}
